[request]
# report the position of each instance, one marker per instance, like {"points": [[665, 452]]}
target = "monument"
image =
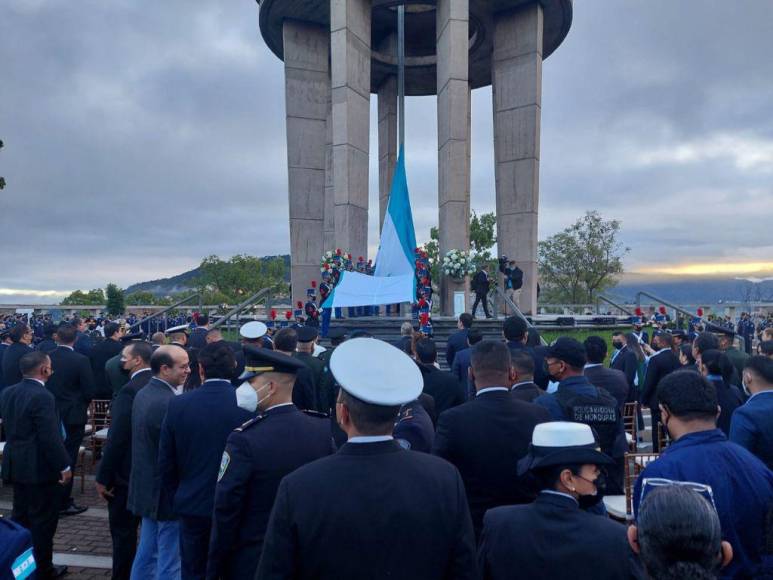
{"points": [[338, 52]]}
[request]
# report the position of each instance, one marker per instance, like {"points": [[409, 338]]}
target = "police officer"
{"points": [[373, 510], [414, 428], [257, 455]]}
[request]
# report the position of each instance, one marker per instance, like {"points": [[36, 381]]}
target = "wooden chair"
{"points": [[634, 465], [631, 425], [99, 421]]}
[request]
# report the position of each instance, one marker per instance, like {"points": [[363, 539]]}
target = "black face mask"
{"points": [[588, 501], [617, 345]]}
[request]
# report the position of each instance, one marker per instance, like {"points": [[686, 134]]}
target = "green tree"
{"points": [[582, 261], [141, 298], [115, 300], [482, 239], [233, 280], [80, 298]]}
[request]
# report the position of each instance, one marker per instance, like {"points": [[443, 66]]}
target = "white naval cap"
{"points": [[253, 329], [562, 434], [182, 328], [376, 372]]}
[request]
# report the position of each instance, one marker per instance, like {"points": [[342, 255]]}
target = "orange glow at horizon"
{"points": [[709, 268]]}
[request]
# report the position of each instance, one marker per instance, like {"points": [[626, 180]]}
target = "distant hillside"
{"points": [[692, 289], [186, 281]]}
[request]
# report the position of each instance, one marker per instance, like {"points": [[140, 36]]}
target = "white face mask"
{"points": [[247, 397]]}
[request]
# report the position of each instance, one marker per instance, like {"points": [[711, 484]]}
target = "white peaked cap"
{"points": [[376, 372], [254, 329], [562, 434]]}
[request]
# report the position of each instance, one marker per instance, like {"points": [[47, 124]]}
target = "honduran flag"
{"points": [[394, 280]]}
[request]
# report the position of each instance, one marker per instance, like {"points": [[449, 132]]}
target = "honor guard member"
{"points": [[251, 333], [414, 428], [373, 510], [554, 537], [257, 456], [307, 335]]}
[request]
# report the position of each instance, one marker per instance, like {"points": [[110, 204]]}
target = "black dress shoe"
{"points": [[72, 510]]}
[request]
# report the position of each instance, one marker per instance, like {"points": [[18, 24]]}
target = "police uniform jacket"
{"points": [[413, 428], [372, 510], [553, 538], [752, 426], [148, 411], [257, 456], [72, 385], [115, 466], [193, 437], [100, 354], [611, 380], [34, 452], [10, 362], [484, 439]]}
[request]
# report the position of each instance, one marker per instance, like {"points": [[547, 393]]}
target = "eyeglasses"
{"points": [[651, 483]]}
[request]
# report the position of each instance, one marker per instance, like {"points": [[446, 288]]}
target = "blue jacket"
{"points": [[193, 438], [742, 488], [456, 342], [752, 426], [460, 368]]}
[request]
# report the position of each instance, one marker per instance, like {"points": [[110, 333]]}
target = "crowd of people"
{"points": [[277, 458]]}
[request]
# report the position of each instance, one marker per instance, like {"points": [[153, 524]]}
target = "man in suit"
{"points": [[48, 343], [403, 514], [21, 339], [485, 437], [189, 456], [72, 385], [461, 367], [458, 340], [304, 391], [405, 343], [83, 343], [481, 286], [112, 479], [307, 336], [612, 380], [198, 337], [624, 360], [663, 362], [100, 354], [524, 388], [752, 423], [5, 342], [516, 333], [442, 386], [555, 537], [158, 553], [257, 456], [34, 458]]}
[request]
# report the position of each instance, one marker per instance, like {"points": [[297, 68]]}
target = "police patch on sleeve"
{"points": [[223, 465]]}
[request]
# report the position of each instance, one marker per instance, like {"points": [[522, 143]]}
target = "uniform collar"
{"points": [[370, 439], [280, 408], [375, 448], [135, 373], [521, 384], [491, 390]]}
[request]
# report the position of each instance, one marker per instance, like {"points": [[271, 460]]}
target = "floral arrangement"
{"points": [[338, 260], [457, 264]]}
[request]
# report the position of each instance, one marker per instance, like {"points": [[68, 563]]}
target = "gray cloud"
{"points": [[141, 136]]}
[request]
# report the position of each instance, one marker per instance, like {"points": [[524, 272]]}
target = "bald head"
{"points": [[170, 363]]}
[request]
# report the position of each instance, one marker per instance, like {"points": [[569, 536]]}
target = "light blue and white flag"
{"points": [[395, 279]]}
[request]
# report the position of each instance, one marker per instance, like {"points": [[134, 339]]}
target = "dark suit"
{"points": [[198, 338], [372, 510], [460, 369], [729, 398], [72, 385], [317, 368], [626, 362], [189, 457], [303, 391], [526, 392], [114, 471], [480, 285], [456, 342], [443, 387], [148, 412], [83, 344], [485, 438], [259, 454], [33, 459], [541, 378], [553, 538], [612, 380], [660, 364], [100, 354], [46, 345], [3, 348], [11, 357]]}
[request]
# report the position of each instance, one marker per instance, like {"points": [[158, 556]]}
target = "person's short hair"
{"points": [[686, 350], [286, 340], [406, 329], [158, 338], [367, 417], [111, 328], [466, 319], [766, 347], [568, 350], [595, 349], [214, 332], [489, 357], [522, 362], [474, 336], [159, 359], [426, 350], [49, 330], [666, 338], [761, 366], [688, 395], [679, 534], [66, 333], [547, 477], [203, 319], [142, 350], [706, 341], [18, 332], [218, 361], [30, 362], [76, 322], [514, 328], [718, 363], [533, 339]]}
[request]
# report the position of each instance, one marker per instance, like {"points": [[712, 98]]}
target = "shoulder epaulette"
{"points": [[313, 413], [250, 423]]}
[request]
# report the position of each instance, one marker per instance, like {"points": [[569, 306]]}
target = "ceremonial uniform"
{"points": [[257, 456], [414, 429]]}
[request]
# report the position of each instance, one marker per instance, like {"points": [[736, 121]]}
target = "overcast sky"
{"points": [[141, 136]]}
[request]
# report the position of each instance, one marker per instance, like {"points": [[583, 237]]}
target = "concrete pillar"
{"points": [[453, 109], [350, 82], [329, 227], [517, 94], [307, 89], [387, 142]]}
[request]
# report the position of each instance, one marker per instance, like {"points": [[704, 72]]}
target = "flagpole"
{"points": [[401, 75]]}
